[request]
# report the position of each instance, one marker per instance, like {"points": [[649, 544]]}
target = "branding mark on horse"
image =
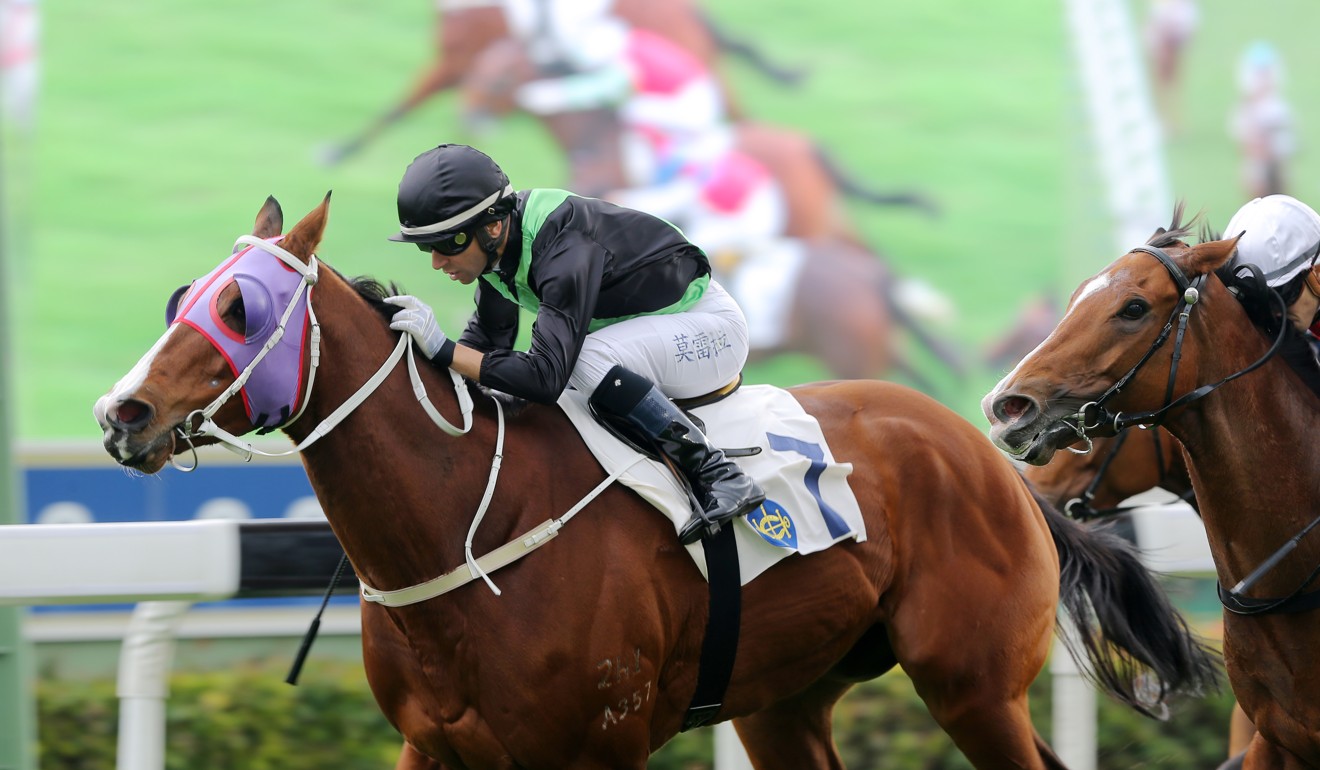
{"points": [[629, 704], [616, 670]]}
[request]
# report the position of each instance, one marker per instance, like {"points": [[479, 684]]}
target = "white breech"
{"points": [[685, 354]]}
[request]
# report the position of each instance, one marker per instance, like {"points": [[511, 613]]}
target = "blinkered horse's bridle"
{"points": [[1093, 415]]}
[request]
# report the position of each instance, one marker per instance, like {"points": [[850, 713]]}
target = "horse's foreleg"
{"points": [[412, 759], [794, 733]]}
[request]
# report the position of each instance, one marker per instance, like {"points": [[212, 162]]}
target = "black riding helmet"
{"points": [[450, 189]]}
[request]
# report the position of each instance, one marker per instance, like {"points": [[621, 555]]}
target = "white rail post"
{"points": [[729, 751], [144, 683], [1074, 709]]}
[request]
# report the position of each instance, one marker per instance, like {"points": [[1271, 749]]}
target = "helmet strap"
{"points": [[491, 245]]}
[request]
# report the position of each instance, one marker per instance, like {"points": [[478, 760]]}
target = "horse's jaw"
{"points": [[1028, 426], [138, 451], [1033, 443]]}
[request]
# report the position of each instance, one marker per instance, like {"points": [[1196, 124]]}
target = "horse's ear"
{"points": [[1208, 257], [270, 220], [305, 236]]}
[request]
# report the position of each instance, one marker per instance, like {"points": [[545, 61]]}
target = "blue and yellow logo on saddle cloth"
{"points": [[774, 525], [809, 505]]}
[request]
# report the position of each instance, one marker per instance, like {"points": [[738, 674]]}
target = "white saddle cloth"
{"points": [[808, 506]]}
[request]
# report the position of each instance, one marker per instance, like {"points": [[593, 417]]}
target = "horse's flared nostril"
{"points": [[1009, 408], [129, 414]]}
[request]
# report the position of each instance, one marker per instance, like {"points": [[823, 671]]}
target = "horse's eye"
{"points": [[236, 318], [1133, 310]]}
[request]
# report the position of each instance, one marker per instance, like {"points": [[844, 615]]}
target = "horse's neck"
{"points": [[1252, 466], [398, 493]]}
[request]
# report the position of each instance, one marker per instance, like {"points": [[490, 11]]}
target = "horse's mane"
{"points": [[1177, 231], [1248, 285], [374, 292]]}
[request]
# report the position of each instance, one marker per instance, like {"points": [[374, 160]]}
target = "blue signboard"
{"points": [[84, 485], [59, 495]]}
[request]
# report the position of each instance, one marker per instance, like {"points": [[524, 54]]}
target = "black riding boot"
{"points": [[723, 490]]}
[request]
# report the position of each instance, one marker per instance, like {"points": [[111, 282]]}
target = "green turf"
{"points": [[164, 125]]}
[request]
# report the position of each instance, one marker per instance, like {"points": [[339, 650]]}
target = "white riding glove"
{"points": [[417, 319]]}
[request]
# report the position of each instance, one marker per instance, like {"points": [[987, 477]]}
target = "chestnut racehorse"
{"points": [[589, 656], [1157, 338], [464, 29]]}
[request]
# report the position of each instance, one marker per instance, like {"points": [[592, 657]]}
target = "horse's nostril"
{"points": [[1010, 408], [129, 414]]}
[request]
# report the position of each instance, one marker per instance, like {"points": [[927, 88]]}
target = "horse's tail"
{"points": [[750, 54], [1130, 640], [852, 188]]}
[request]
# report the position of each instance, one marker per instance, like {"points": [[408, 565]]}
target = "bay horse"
{"points": [[464, 28], [1157, 337], [588, 656]]}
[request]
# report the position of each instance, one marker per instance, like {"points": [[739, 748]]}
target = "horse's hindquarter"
{"points": [[956, 546]]}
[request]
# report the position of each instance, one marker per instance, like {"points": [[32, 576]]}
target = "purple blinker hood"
{"points": [[267, 285]]}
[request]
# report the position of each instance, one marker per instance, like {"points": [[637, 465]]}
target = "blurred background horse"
{"points": [[464, 28], [592, 140]]}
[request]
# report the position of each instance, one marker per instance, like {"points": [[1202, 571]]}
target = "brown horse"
{"points": [[1093, 484], [464, 30], [589, 656], [1158, 338]]}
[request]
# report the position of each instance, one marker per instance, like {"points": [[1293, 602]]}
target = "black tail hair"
{"points": [[1131, 641]]}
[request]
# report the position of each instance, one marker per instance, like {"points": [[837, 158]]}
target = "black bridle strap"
{"points": [[1080, 507], [1153, 417], [1181, 311]]}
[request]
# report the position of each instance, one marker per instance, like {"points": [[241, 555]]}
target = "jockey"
{"points": [[1281, 236], [678, 149], [625, 307]]}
